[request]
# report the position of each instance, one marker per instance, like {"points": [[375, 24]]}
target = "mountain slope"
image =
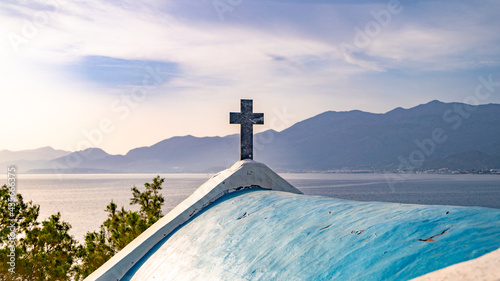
{"points": [[188, 153], [360, 140], [43, 153], [29, 159]]}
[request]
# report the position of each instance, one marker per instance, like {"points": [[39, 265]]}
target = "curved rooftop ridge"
{"points": [[243, 174], [267, 235]]}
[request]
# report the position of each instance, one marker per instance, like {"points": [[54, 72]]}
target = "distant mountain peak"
{"points": [[92, 149], [435, 102], [47, 148], [95, 151], [91, 153]]}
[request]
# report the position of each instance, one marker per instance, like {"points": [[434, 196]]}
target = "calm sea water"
{"points": [[82, 199]]}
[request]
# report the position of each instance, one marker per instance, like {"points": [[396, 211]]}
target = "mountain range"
{"points": [[435, 135]]}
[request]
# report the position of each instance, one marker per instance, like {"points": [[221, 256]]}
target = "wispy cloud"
{"points": [[433, 35], [113, 72]]}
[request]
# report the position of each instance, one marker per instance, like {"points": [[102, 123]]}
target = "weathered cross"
{"points": [[247, 119]]}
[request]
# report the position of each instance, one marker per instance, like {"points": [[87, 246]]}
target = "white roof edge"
{"points": [[484, 268], [243, 174]]}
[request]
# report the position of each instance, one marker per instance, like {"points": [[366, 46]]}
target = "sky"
{"points": [[124, 74]]}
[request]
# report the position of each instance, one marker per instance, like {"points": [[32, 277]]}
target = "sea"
{"points": [[82, 198]]}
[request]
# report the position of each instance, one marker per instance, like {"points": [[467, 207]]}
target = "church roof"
{"points": [[268, 235], [248, 223]]}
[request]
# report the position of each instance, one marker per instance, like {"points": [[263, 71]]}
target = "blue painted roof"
{"points": [[269, 235]]}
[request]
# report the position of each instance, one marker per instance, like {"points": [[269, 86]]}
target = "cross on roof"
{"points": [[247, 119]]}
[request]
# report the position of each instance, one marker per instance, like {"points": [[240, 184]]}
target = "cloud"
{"points": [[113, 72], [453, 35], [94, 29], [285, 53]]}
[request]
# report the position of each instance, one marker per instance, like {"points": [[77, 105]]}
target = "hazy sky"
{"points": [[123, 74]]}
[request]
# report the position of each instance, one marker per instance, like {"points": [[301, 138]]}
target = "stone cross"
{"points": [[247, 119]]}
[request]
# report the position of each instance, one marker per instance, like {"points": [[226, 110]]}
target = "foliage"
{"points": [[93, 254], [43, 251], [46, 251], [150, 200]]}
